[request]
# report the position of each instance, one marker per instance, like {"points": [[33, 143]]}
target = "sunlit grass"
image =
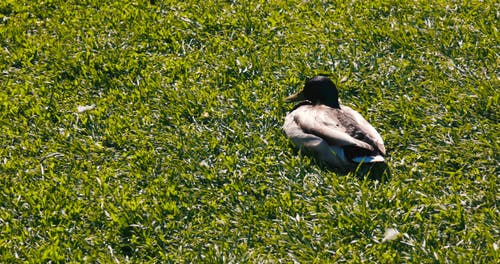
{"points": [[150, 131]]}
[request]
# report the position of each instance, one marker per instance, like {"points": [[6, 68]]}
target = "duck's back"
{"points": [[338, 127], [357, 127]]}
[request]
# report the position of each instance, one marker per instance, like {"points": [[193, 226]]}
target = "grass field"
{"points": [[150, 131]]}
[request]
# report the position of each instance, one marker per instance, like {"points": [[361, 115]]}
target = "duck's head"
{"points": [[318, 90]]}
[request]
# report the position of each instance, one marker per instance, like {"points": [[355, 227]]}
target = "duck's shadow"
{"points": [[372, 171], [379, 171]]}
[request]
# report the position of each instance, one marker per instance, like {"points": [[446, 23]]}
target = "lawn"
{"points": [[151, 131]]}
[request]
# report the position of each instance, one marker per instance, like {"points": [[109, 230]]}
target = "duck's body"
{"points": [[338, 135]]}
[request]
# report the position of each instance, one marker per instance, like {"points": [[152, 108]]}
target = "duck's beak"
{"points": [[296, 97]]}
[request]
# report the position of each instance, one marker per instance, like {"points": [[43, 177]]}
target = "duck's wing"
{"points": [[360, 125], [305, 139], [296, 132], [323, 123]]}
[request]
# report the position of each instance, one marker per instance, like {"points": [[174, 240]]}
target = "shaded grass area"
{"points": [[181, 156]]}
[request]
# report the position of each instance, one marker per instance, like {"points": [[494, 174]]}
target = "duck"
{"points": [[335, 133]]}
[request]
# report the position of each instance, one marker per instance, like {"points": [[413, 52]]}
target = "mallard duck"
{"points": [[337, 134]]}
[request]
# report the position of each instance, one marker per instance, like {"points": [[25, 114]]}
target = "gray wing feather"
{"points": [[367, 129], [317, 121]]}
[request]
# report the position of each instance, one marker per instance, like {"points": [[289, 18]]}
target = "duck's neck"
{"points": [[331, 103]]}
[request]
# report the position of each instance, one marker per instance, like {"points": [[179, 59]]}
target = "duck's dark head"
{"points": [[318, 90]]}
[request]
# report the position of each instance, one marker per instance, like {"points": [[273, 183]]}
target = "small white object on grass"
{"points": [[390, 235], [84, 108]]}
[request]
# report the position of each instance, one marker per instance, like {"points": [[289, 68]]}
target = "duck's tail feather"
{"points": [[369, 159], [361, 155]]}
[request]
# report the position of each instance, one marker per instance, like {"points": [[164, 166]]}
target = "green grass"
{"points": [[183, 158]]}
